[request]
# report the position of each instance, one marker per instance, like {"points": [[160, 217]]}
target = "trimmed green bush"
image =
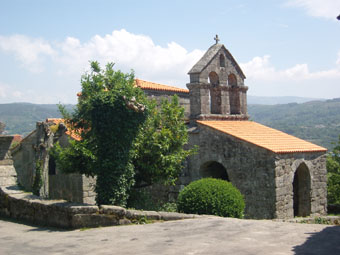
{"points": [[211, 196]]}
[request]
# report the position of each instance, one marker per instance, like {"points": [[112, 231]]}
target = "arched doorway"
{"points": [[215, 170], [301, 190]]}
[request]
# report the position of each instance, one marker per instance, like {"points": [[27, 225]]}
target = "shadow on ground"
{"points": [[34, 226], [325, 242]]}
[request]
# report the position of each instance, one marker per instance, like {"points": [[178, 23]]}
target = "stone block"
{"points": [[94, 220], [83, 209], [113, 210]]}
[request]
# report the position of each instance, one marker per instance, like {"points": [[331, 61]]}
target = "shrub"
{"points": [[211, 196]]}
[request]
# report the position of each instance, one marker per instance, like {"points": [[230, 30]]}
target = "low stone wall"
{"points": [[18, 204], [326, 220]]}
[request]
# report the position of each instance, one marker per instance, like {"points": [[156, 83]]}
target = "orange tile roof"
{"points": [[148, 85], [17, 138], [72, 134], [262, 136]]}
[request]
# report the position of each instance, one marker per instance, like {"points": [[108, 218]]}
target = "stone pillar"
{"points": [[243, 99], [225, 103], [43, 143], [199, 99]]}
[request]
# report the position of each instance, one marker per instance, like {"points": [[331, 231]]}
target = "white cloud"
{"points": [[9, 95], [260, 68], [329, 9], [168, 64], [264, 79], [28, 51], [129, 51]]}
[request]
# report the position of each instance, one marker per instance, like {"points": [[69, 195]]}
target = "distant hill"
{"points": [[315, 121], [21, 118], [280, 100]]}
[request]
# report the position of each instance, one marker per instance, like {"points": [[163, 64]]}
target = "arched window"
{"points": [[214, 79], [232, 80], [222, 61]]}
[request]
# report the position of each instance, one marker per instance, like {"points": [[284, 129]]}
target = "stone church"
{"points": [[280, 176]]}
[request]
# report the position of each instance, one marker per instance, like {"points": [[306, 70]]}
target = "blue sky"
{"points": [[285, 47]]}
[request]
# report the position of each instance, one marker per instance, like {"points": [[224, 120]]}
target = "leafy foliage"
{"points": [[107, 117], [126, 140], [211, 196], [158, 150], [333, 167]]}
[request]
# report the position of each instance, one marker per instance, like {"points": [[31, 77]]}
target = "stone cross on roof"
{"points": [[216, 39]]}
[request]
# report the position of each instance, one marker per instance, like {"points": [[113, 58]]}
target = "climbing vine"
{"points": [[38, 180]]}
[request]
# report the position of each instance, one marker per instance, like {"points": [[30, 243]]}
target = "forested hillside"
{"points": [[316, 121], [21, 118]]}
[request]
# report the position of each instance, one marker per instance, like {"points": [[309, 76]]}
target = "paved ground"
{"points": [[195, 236]]}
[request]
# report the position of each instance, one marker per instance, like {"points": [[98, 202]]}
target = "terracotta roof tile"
{"points": [[72, 134], [262, 136], [147, 85]]}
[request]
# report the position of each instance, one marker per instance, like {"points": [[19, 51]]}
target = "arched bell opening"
{"points": [[215, 93]]}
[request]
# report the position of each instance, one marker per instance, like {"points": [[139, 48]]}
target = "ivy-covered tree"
{"points": [[126, 140], [108, 115], [333, 168]]}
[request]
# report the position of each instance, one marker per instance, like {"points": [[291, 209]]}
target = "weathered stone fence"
{"points": [[18, 204]]}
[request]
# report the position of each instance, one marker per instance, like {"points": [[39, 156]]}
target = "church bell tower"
{"points": [[216, 88]]}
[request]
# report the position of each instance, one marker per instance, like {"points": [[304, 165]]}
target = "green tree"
{"points": [[333, 168], [126, 140], [107, 117], [159, 148]]}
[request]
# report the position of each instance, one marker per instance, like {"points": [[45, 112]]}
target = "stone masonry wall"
{"points": [[72, 187], [264, 178], [250, 168], [7, 171], [159, 95], [286, 165], [24, 158]]}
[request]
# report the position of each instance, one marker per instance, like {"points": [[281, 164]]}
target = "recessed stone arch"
{"points": [[214, 80], [213, 169], [302, 191], [215, 93], [232, 80]]}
